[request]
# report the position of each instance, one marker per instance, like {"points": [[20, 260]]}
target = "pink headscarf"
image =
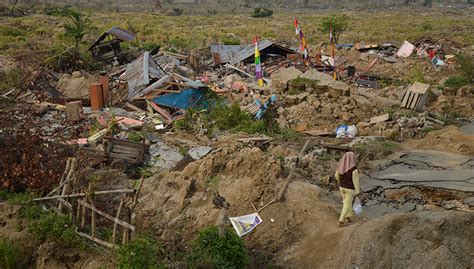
{"points": [[346, 163]]}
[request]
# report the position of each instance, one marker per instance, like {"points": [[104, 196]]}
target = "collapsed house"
{"points": [[107, 47], [234, 54]]}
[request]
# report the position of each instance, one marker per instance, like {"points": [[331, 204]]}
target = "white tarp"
{"points": [[245, 224], [406, 49]]}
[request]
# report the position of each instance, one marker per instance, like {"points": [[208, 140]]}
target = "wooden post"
{"points": [[93, 224], [287, 181], [221, 222], [114, 233], [126, 232], [83, 217], [66, 182]]}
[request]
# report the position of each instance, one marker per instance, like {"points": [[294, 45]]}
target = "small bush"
{"points": [[211, 251], [262, 12], [230, 40], [141, 252], [426, 26], [465, 66], [10, 79], [9, 254], [416, 76], [456, 82], [51, 226], [178, 11], [375, 150]]}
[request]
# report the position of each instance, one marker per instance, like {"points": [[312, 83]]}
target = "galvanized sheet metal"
{"points": [[121, 34]]}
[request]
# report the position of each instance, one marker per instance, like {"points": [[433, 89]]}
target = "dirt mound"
{"points": [[449, 139], [75, 85], [183, 200], [301, 230]]}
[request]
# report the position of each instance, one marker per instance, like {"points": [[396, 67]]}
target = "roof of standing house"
{"points": [[118, 33]]}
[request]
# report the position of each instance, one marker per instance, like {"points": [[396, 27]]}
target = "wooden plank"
{"points": [[414, 100], [134, 107], [97, 240], [160, 111], [410, 99], [107, 216], [114, 233], [405, 99]]}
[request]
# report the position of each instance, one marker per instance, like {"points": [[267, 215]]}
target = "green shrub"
{"points": [[51, 226], [10, 79], [262, 12], [426, 26], [338, 22], [211, 251], [230, 40], [178, 11], [416, 75], [149, 46], [456, 82], [9, 254], [141, 252], [465, 66]]}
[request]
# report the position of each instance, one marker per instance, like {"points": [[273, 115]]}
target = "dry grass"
{"points": [[40, 32]]}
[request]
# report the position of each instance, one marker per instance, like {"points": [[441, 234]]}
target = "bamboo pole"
{"points": [[66, 183], [107, 216], [77, 195], [114, 233], [97, 240], [93, 223]]}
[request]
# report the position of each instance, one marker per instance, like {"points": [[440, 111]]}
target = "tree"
{"points": [[76, 24], [338, 22]]}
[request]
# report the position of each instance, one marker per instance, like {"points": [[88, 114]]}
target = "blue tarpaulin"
{"points": [[189, 98]]}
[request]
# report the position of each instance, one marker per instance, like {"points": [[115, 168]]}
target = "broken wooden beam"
{"points": [[97, 240], [77, 195]]}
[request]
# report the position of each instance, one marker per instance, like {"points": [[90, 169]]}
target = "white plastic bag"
{"points": [[351, 131], [357, 206]]}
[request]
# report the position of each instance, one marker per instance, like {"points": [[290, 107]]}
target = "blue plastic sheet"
{"points": [[189, 98]]}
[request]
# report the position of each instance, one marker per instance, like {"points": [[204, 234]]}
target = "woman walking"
{"points": [[347, 176]]}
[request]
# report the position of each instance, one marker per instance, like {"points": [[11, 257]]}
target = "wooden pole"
{"points": [[96, 240], [126, 232], [117, 216], [287, 181], [66, 183], [83, 216], [77, 195], [93, 223]]}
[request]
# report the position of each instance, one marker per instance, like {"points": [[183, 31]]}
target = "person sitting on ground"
{"points": [[347, 176]]}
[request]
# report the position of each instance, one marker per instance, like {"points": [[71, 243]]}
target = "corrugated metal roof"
{"points": [[121, 34], [224, 53], [249, 50]]}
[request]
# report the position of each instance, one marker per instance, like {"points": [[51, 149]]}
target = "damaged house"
{"points": [[107, 47], [234, 54]]}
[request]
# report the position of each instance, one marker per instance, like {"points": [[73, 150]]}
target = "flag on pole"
{"points": [[333, 45], [303, 47], [258, 65]]}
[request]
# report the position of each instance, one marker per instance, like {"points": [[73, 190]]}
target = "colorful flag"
{"points": [[303, 47], [258, 65]]}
